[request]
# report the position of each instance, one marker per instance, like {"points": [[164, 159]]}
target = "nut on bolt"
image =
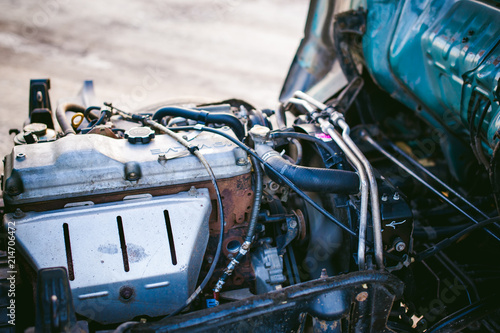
{"points": [[193, 191], [126, 292], [241, 161], [20, 156], [132, 171], [18, 213], [273, 186], [162, 159], [399, 245], [13, 190]]}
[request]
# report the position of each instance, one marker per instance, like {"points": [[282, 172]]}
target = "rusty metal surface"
{"points": [[237, 200]]}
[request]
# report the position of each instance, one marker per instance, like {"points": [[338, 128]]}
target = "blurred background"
{"points": [[144, 52]]}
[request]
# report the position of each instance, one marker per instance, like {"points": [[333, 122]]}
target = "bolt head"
{"points": [[273, 186], [241, 161], [400, 246], [126, 292], [193, 191], [13, 190], [20, 156], [18, 213]]}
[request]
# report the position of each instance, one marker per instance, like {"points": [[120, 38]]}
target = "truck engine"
{"points": [[370, 207]]}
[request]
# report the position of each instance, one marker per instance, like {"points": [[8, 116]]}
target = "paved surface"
{"points": [[144, 52]]}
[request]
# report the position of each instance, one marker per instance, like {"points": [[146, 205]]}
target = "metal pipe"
{"points": [[370, 140], [310, 100], [328, 128], [439, 181], [375, 205], [305, 104]]}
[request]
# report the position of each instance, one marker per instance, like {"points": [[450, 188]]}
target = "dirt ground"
{"points": [[144, 52]]}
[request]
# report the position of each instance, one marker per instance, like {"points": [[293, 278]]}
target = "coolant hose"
{"points": [[310, 179], [204, 117], [61, 116]]}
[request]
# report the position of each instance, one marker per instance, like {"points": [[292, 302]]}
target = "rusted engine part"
{"points": [[237, 199]]}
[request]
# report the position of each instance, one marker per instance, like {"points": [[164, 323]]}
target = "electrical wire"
{"points": [[88, 113], [451, 240]]}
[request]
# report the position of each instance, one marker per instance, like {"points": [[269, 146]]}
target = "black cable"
{"points": [[98, 121], [267, 165], [449, 241], [89, 115], [259, 185], [432, 233], [194, 150]]}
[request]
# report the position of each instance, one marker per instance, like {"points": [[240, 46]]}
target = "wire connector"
{"points": [[192, 149]]}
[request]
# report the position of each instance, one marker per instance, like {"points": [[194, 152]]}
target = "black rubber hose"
{"points": [[204, 117], [61, 116], [306, 137], [310, 179], [259, 185]]}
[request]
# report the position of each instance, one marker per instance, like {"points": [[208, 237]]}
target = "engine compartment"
{"points": [[351, 207]]}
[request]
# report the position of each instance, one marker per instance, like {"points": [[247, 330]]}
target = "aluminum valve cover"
{"points": [[86, 165]]}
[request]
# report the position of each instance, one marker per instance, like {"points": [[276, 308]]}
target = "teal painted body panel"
{"points": [[439, 58]]}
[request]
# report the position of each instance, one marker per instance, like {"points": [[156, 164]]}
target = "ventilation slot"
{"points": [[69, 256], [123, 244], [170, 237]]}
